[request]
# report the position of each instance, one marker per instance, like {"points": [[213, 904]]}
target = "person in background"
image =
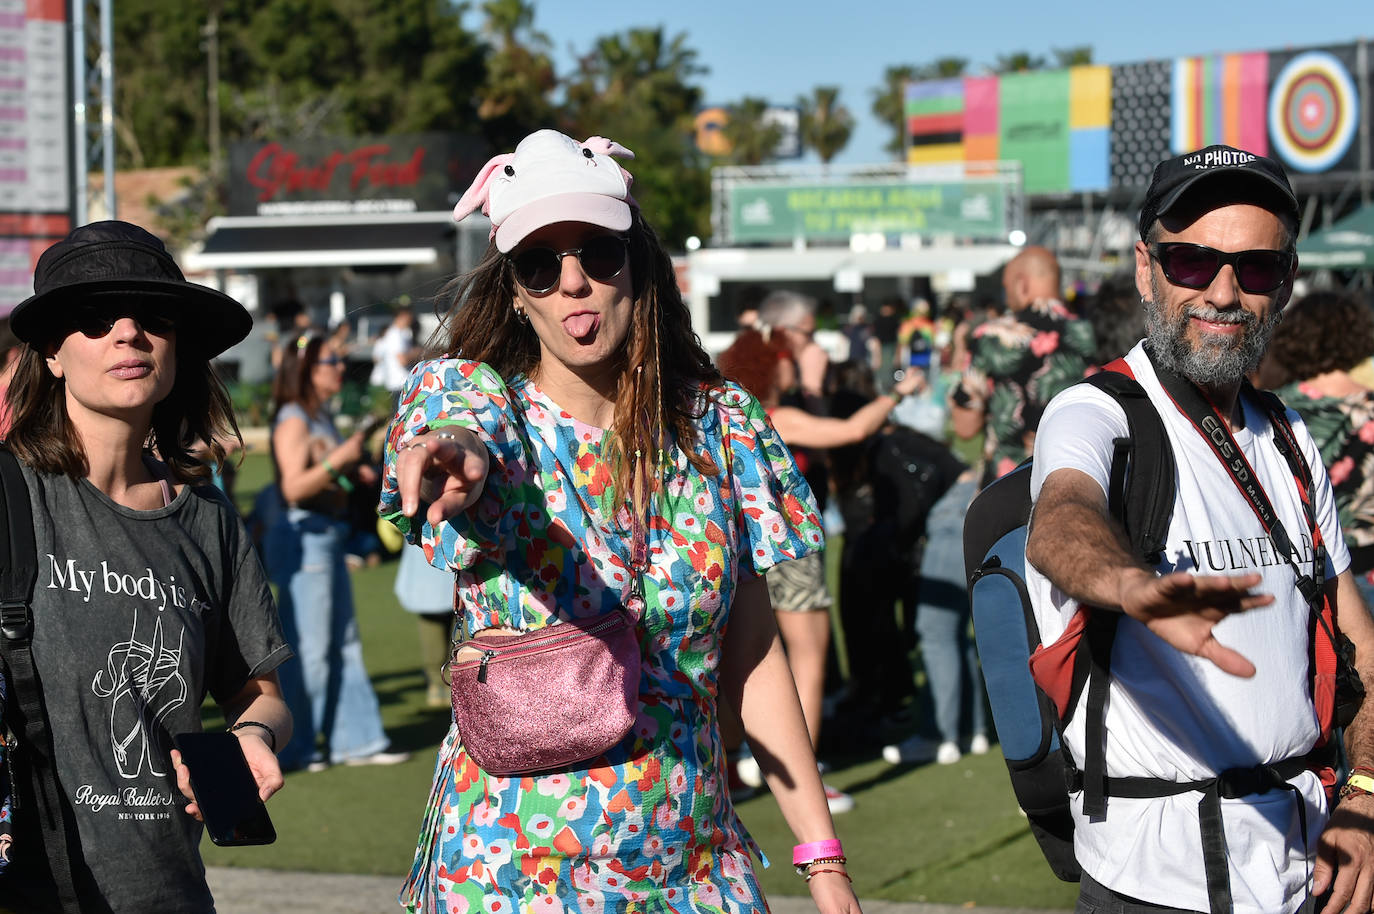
{"points": [[863, 344], [289, 321], [578, 401], [427, 592], [1117, 319], [791, 316], [316, 469], [798, 589], [1323, 337], [1018, 362], [394, 352], [113, 383]]}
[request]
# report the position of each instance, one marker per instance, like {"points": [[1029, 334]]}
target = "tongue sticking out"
{"points": [[580, 325]]}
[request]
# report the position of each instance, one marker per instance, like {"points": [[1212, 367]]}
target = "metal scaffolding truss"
{"points": [[92, 88]]}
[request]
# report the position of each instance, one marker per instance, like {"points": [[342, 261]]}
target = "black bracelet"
{"points": [[271, 734]]}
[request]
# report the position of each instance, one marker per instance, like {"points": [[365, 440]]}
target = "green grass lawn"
{"points": [[945, 834]]}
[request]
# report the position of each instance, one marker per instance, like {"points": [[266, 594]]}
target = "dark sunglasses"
{"points": [[96, 321], [539, 269], [331, 360], [1194, 266]]}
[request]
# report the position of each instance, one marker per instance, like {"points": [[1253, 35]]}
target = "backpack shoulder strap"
{"points": [[19, 552], [1141, 496]]}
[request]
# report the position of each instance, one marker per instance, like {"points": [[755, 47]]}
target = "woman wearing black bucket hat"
{"points": [[149, 594]]}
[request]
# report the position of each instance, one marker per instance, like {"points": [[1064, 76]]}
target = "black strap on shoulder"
{"points": [[1141, 496], [19, 553]]}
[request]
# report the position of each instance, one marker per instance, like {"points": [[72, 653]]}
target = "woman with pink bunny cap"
{"points": [[572, 455]]}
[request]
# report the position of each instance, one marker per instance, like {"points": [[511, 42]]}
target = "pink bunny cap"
{"points": [[551, 178]]}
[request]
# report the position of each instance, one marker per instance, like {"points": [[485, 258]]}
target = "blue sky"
{"points": [[780, 50]]}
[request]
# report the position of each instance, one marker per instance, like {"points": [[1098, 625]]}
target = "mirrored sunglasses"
{"points": [[96, 321], [1194, 266], [538, 269]]}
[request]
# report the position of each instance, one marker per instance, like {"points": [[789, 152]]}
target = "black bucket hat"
{"points": [[112, 259]]}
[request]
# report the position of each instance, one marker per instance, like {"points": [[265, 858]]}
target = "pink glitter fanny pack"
{"points": [[546, 699]]}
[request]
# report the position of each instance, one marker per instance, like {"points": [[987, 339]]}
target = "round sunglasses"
{"points": [[1194, 266], [538, 269], [96, 321]]}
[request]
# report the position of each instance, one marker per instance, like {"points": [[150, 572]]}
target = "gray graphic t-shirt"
{"points": [[137, 616]]}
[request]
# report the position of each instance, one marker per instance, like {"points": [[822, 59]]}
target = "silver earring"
{"points": [[520, 314]]}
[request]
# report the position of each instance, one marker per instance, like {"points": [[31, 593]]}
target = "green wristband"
{"points": [[344, 482]]}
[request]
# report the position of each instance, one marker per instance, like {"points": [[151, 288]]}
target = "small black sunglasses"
{"points": [[1194, 266], [96, 321], [539, 269]]}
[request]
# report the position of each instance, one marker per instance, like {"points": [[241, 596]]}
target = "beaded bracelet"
{"points": [[805, 868]]}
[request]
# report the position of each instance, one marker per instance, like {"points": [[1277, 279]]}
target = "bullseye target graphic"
{"points": [[1313, 111]]}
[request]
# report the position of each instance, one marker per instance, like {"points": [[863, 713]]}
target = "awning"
{"points": [[272, 242], [1347, 244]]}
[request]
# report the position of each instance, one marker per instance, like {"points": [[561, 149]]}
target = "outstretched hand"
{"points": [[1183, 608], [447, 468]]}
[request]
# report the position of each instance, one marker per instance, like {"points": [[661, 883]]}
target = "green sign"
{"points": [[782, 212]]}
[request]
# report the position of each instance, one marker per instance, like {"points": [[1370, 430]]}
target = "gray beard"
{"points": [[1217, 362]]}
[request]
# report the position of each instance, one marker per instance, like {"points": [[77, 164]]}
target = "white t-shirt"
{"points": [[1174, 716], [387, 370]]}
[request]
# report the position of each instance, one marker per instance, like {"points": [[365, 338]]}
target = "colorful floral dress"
{"points": [[1018, 362], [648, 826]]}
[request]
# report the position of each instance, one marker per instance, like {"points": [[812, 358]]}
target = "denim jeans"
{"points": [[326, 684], [942, 617]]}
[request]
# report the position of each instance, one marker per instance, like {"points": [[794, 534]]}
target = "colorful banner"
{"points": [[1097, 127], [783, 212], [1314, 108], [1139, 133], [935, 120], [1221, 99], [1055, 122]]}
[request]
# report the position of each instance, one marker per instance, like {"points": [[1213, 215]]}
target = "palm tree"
{"points": [[889, 105], [752, 137], [1018, 62], [1081, 55], [520, 74], [826, 125]]}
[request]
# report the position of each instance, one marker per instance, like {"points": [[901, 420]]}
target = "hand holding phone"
{"points": [[226, 792]]}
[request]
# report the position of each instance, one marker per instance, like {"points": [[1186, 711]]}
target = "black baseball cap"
{"points": [[1173, 178], [113, 259]]}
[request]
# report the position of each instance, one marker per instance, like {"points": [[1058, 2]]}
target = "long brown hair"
{"points": [[663, 365], [197, 409], [292, 382]]}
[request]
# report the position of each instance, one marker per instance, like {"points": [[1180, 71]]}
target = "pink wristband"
{"points": [[805, 853]]}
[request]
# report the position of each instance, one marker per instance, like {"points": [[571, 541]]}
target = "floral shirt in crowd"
{"points": [[649, 826], [1343, 428], [1019, 362]]}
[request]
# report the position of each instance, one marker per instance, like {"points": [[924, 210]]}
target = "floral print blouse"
{"points": [[1018, 363]]}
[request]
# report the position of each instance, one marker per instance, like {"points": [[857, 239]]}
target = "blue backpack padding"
{"points": [[1029, 726]]}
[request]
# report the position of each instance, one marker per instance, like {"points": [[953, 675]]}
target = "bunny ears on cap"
{"points": [[551, 178]]}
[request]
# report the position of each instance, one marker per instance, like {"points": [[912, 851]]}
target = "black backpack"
{"points": [[23, 718], [909, 471], [1029, 722]]}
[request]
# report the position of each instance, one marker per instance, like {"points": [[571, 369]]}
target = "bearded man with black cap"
{"points": [[149, 595], [1213, 744]]}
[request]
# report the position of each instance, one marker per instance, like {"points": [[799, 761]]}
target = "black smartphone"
{"points": [[225, 789]]}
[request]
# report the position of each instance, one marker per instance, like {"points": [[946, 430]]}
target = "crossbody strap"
{"points": [[20, 555]]}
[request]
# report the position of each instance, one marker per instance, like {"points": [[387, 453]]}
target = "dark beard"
{"points": [[1216, 362]]}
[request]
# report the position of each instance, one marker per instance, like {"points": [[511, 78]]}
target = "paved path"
{"points": [[247, 891]]}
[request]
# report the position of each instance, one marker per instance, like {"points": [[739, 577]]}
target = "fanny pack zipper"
{"points": [[553, 638]]}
